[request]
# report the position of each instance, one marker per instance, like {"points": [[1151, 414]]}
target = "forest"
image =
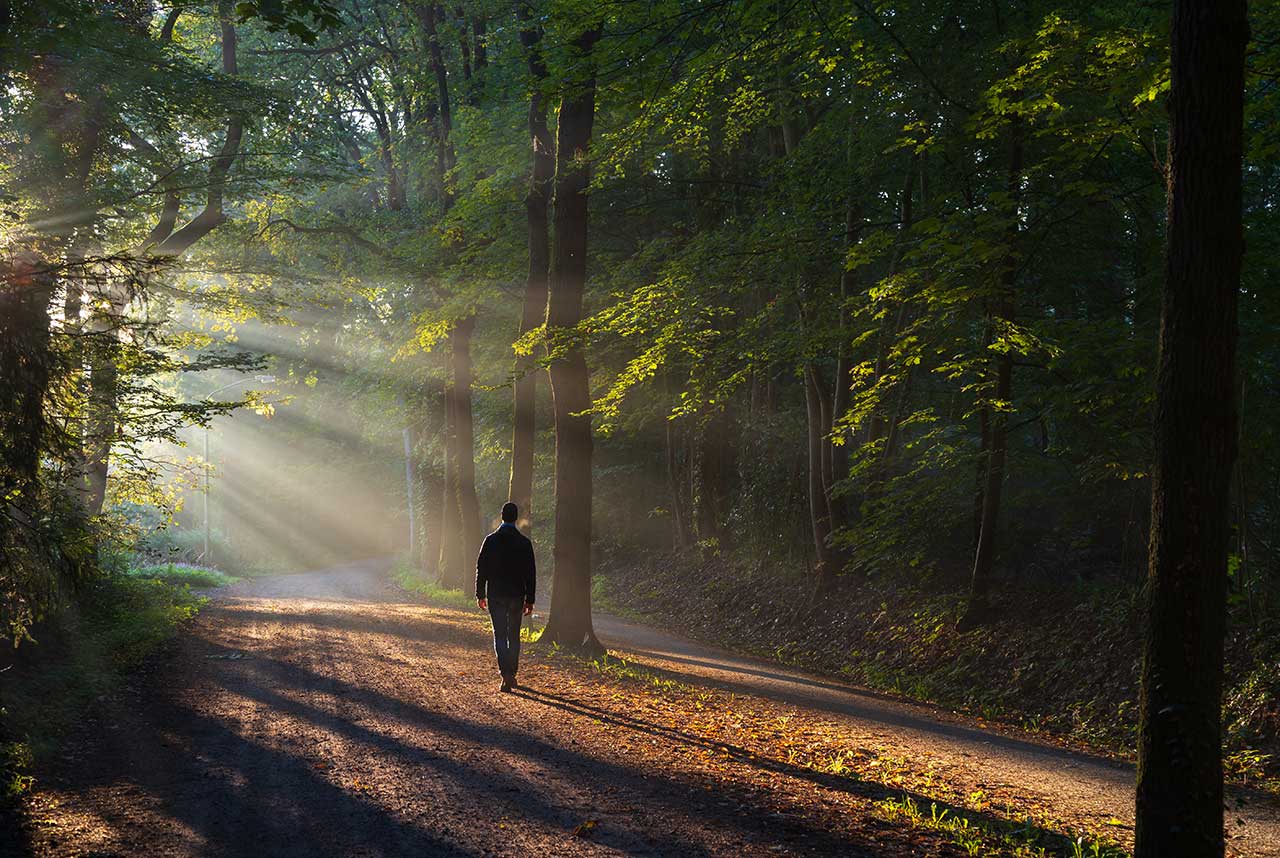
{"points": [[922, 347]]}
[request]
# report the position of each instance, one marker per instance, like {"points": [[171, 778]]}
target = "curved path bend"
{"points": [[328, 714], [1079, 788]]}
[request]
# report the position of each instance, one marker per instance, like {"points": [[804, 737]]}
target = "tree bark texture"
{"points": [[819, 507], [537, 200], [569, 622], [428, 14], [1179, 809], [25, 361]]}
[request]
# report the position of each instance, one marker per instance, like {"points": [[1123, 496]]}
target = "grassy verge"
{"points": [[179, 574], [411, 580], [983, 835], [84, 654]]}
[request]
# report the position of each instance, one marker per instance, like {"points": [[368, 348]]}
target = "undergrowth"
{"points": [[411, 580], [200, 577], [980, 835], [83, 655]]}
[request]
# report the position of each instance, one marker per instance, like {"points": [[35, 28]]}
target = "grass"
{"points": [[178, 574], [84, 654], [619, 668], [409, 579], [980, 835]]}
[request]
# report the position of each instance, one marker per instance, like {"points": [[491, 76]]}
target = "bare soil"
{"points": [[329, 714]]}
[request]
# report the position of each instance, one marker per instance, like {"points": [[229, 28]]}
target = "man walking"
{"points": [[505, 584]]}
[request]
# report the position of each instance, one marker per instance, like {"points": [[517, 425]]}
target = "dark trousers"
{"points": [[506, 615]]}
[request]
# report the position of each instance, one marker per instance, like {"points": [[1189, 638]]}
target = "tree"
{"points": [[995, 416], [520, 486], [1179, 796], [569, 621]]}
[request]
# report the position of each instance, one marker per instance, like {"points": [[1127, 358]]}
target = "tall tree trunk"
{"points": [[465, 437], [25, 361], [569, 622], [102, 403], [428, 13], [451, 567], [431, 433], [997, 418], [524, 431], [1179, 793], [819, 508]]}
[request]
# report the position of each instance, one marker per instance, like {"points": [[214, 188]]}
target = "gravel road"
{"points": [[327, 714]]}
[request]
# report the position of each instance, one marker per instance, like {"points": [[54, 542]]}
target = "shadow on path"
{"points": [[868, 707]]}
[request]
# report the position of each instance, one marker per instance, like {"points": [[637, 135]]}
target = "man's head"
{"points": [[510, 512]]}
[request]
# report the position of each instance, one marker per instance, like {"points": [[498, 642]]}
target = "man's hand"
{"points": [[483, 603], [528, 608]]}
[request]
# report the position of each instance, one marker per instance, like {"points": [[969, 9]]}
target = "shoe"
{"points": [[512, 682], [506, 686]]}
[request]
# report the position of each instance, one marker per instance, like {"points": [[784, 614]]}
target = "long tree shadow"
{"points": [[215, 792], [842, 700], [855, 703], [839, 699], [508, 790], [846, 783], [850, 701], [846, 701], [687, 796]]}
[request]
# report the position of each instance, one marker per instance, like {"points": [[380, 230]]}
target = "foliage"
{"points": [[82, 657], [978, 836]]}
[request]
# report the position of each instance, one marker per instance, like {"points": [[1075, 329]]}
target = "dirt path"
{"points": [[327, 714], [1089, 792]]}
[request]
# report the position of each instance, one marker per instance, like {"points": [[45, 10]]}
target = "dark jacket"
{"points": [[505, 567]]}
